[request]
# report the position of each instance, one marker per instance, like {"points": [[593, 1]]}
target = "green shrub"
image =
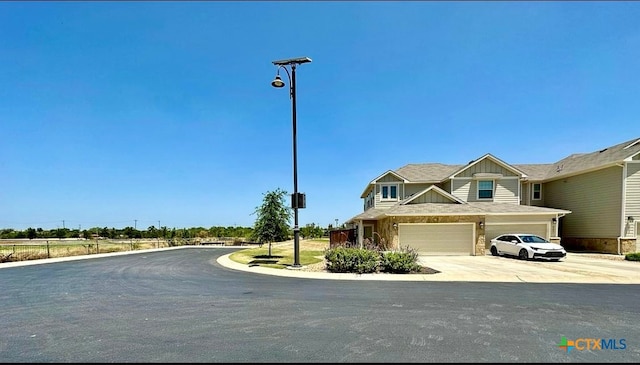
{"points": [[400, 262], [634, 256], [352, 260]]}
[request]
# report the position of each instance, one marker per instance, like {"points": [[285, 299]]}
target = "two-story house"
{"points": [[586, 202]]}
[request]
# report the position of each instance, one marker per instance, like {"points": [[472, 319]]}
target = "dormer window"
{"points": [[485, 189], [389, 192]]}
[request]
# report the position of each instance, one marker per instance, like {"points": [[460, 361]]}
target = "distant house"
{"points": [[586, 202]]}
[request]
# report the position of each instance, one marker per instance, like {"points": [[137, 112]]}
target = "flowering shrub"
{"points": [[354, 260], [400, 262]]}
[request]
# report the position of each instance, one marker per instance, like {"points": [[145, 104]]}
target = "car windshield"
{"points": [[532, 239]]}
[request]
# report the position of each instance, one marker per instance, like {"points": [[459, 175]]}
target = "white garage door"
{"points": [[438, 239], [494, 230]]}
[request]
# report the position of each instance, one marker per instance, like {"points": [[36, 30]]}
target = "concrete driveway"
{"points": [[575, 268]]}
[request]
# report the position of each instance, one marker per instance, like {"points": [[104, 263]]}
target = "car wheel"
{"points": [[494, 251], [523, 254]]}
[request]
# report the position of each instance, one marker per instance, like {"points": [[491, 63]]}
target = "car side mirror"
{"points": [[514, 241]]}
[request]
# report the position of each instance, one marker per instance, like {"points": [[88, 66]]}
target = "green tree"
{"points": [[60, 233], [311, 231], [273, 217]]}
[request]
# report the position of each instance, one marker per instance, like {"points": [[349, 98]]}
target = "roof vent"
{"points": [[559, 168], [602, 150]]}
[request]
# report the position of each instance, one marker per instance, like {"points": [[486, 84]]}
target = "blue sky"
{"points": [[115, 114]]}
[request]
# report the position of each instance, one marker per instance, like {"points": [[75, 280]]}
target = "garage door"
{"points": [[438, 239], [494, 230]]}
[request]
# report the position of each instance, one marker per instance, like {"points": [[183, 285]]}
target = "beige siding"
{"points": [[431, 197], [632, 198], [507, 191], [524, 193], [464, 189], [411, 189], [447, 186], [527, 195], [386, 203], [389, 178], [594, 199], [484, 166]]}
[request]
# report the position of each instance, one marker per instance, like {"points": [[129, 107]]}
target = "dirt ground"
{"points": [[305, 244]]}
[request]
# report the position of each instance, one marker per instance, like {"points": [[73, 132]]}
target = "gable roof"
{"points": [[496, 160], [373, 182], [436, 190], [394, 173], [438, 172]]}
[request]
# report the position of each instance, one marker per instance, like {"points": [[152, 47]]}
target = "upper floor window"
{"points": [[537, 191], [485, 189], [389, 192]]}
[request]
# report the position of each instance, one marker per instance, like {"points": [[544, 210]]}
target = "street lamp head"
{"points": [[292, 61], [277, 82]]}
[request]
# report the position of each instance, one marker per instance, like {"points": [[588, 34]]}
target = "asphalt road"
{"points": [[182, 306]]}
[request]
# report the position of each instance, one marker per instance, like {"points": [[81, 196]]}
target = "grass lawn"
{"points": [[311, 252]]}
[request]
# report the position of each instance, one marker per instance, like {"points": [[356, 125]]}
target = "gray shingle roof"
{"points": [[535, 171], [369, 214], [493, 208], [437, 172], [427, 172], [590, 161], [471, 208]]}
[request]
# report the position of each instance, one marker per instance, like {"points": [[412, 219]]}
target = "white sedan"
{"points": [[526, 246]]}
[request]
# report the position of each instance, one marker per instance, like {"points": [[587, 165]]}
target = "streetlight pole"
{"points": [[298, 200]]}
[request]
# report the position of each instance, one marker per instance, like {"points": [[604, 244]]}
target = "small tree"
{"points": [[272, 223]]}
